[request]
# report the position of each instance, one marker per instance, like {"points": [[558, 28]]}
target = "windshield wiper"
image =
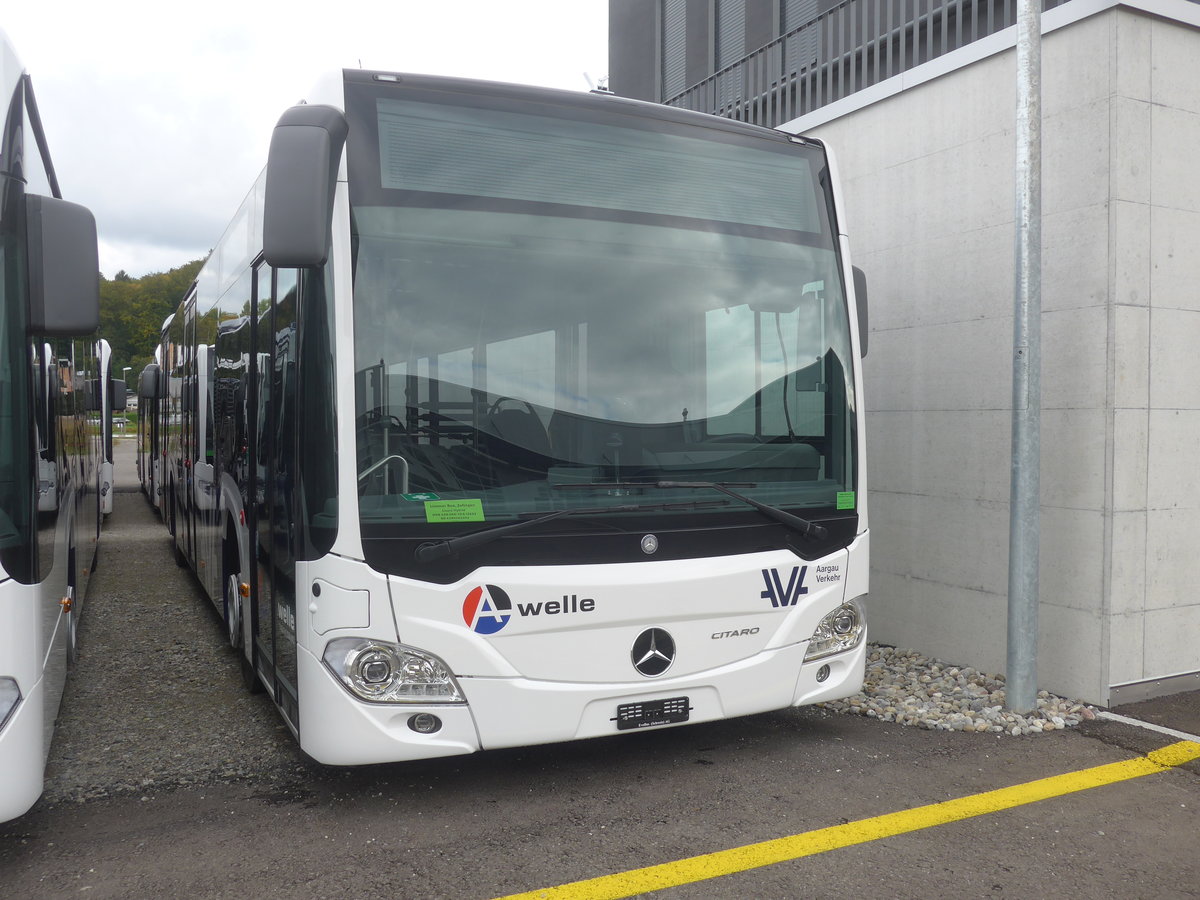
{"points": [[430, 551], [806, 528]]}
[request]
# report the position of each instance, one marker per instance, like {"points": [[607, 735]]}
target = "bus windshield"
{"points": [[552, 311]]}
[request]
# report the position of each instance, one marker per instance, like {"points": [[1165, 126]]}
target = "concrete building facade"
{"points": [[926, 160]]}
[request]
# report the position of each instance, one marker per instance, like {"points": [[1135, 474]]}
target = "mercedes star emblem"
{"points": [[653, 652]]}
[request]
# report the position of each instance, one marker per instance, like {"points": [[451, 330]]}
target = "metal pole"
{"points": [[1024, 515]]}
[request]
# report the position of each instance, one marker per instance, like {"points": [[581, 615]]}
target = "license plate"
{"points": [[652, 712]]}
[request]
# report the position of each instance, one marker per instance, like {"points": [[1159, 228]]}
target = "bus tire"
{"points": [[235, 612], [72, 625], [232, 593], [180, 559], [249, 676], [71, 621]]}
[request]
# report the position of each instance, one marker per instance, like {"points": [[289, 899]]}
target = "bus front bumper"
{"points": [[338, 729]]}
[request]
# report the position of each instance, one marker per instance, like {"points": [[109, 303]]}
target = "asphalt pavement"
{"points": [[166, 778]]}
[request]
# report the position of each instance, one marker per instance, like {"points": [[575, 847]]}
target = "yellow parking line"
{"points": [[753, 856]]}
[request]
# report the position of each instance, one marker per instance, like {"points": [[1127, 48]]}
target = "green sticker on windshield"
{"points": [[454, 511], [845, 500], [420, 498]]}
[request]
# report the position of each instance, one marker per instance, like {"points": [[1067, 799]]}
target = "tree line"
{"points": [[132, 311]]}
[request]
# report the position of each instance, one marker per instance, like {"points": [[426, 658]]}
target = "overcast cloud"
{"points": [[158, 115]]}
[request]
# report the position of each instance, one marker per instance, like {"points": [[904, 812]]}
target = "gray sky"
{"points": [[158, 114]]}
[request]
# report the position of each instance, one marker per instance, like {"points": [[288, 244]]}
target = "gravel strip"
{"points": [[904, 686], [156, 700]]}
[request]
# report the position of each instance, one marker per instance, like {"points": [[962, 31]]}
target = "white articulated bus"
{"points": [[149, 448], [50, 509], [108, 395], [502, 416]]}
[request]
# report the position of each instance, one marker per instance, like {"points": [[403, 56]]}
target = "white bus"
{"points": [[49, 456], [502, 416], [108, 396], [150, 390]]}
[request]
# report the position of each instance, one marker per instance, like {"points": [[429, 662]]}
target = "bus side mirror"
{"points": [[118, 399], [93, 395], [302, 167], [64, 267], [149, 385], [860, 299]]}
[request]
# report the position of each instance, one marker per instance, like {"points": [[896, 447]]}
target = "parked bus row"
{"points": [[502, 416], [55, 459]]}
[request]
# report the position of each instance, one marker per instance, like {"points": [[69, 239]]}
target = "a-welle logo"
{"points": [[488, 608]]}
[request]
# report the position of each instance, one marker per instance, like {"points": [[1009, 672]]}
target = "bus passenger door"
{"points": [[262, 624], [274, 616], [188, 440], [285, 482]]}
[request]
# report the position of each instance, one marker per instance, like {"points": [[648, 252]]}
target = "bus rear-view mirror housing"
{"points": [[119, 400], [860, 300], [150, 383], [784, 302], [302, 167], [64, 267]]}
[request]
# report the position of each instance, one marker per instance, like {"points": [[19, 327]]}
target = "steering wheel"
{"points": [[377, 418], [501, 400]]}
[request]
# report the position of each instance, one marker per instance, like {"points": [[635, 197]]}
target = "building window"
{"points": [[731, 32], [800, 50], [674, 47]]}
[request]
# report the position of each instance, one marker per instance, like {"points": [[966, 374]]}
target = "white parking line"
{"points": [[1113, 717]]}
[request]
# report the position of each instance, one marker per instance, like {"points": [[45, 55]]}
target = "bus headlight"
{"points": [[10, 698], [841, 630], [390, 673]]}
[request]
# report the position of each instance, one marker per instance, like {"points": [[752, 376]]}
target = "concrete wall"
{"points": [[927, 175], [1155, 243]]}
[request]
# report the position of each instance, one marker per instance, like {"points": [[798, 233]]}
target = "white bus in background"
{"points": [[150, 391], [502, 416], [107, 397], [49, 455]]}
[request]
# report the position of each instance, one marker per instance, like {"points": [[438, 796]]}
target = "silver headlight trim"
{"points": [[384, 672], [840, 630]]}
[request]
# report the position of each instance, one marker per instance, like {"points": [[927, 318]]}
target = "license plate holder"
{"points": [[649, 713]]}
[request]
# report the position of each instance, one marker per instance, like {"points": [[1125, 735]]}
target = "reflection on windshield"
{"points": [[501, 357]]}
